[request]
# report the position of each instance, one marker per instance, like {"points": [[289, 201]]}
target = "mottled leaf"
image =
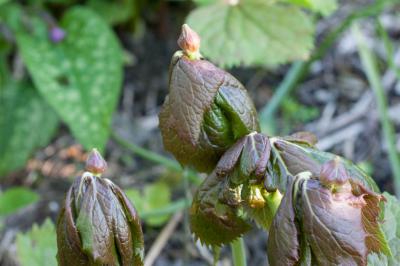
{"points": [[212, 221], [38, 246], [80, 77], [205, 112], [21, 111], [252, 32]]}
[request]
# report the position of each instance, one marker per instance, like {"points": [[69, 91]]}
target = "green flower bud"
{"points": [[97, 224], [206, 111]]}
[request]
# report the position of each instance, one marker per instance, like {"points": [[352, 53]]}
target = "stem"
{"points": [[173, 207], [371, 70], [238, 252], [299, 69], [154, 157]]}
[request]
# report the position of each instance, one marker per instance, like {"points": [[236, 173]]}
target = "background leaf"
{"points": [[79, 77], [26, 123], [154, 197], [325, 7], [252, 32], [38, 247], [16, 198]]}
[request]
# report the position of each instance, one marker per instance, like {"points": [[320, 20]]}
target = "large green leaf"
{"points": [[26, 123], [80, 76], [325, 7], [16, 198], [38, 247], [252, 32]]}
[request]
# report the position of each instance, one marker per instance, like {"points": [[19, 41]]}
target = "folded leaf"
{"points": [[205, 112], [212, 220], [336, 218], [299, 158]]}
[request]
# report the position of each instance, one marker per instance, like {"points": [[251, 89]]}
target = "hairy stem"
{"points": [[371, 70], [299, 69], [238, 252]]}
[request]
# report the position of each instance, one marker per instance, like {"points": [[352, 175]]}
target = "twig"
{"points": [[351, 131], [372, 72], [162, 239]]}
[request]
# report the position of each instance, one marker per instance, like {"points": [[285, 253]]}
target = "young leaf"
{"points": [[299, 158], [16, 198], [205, 112], [214, 220], [325, 7], [252, 32], [154, 197], [38, 247], [26, 123], [80, 77], [391, 228]]}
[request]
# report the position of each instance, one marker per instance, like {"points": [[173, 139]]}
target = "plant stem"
{"points": [[154, 157], [171, 208], [299, 69], [371, 70], [238, 252]]}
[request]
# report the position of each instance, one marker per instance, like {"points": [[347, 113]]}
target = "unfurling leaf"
{"points": [[337, 221], [206, 111], [214, 215], [250, 165], [98, 225], [300, 158]]}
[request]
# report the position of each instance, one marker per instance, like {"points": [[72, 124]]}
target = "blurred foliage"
{"points": [[325, 7], [153, 197], [294, 114], [38, 247], [81, 76], [252, 32], [16, 198]]}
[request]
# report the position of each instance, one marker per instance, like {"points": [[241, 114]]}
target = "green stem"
{"points": [[173, 207], [154, 157], [238, 252], [299, 69], [371, 70]]}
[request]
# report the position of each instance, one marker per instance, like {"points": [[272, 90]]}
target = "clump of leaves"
{"points": [[331, 211], [98, 225]]}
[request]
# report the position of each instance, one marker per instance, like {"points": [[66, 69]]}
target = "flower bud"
{"points": [[56, 34], [97, 224], [189, 42]]}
